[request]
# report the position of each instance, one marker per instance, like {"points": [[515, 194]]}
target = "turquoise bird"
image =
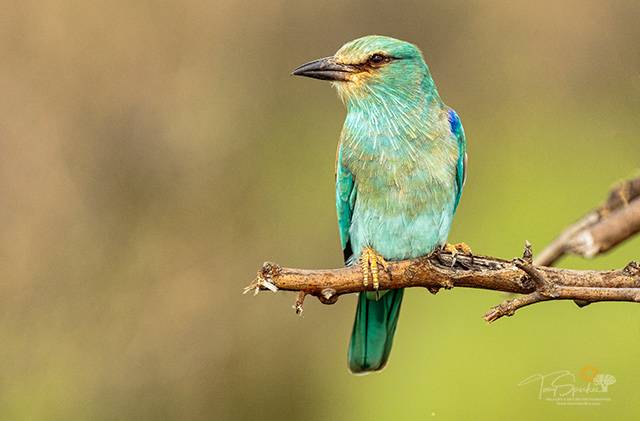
{"points": [[399, 174]]}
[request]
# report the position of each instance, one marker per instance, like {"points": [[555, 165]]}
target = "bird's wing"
{"points": [[461, 166], [345, 201]]}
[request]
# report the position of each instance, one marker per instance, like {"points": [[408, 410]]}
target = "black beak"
{"points": [[325, 69]]}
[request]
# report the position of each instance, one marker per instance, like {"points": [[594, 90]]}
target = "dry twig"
{"points": [[601, 229]]}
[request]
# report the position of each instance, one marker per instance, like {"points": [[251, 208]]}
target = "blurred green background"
{"points": [[155, 153]]}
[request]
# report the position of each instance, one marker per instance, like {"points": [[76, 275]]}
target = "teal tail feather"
{"points": [[373, 331]]}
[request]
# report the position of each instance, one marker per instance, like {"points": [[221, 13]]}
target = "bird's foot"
{"points": [[369, 261], [455, 249], [458, 248]]}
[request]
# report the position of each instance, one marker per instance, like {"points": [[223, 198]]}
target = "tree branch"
{"points": [[443, 270], [601, 229]]}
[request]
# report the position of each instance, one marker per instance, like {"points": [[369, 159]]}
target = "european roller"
{"points": [[399, 174]]}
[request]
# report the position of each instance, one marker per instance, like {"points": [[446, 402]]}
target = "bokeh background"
{"points": [[154, 153]]}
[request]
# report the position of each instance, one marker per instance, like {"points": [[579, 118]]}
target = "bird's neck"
{"points": [[388, 122]]}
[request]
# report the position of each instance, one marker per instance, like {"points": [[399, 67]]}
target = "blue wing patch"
{"points": [[345, 201], [461, 167]]}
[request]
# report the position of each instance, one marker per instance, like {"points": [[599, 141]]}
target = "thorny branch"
{"points": [[439, 270], [602, 229]]}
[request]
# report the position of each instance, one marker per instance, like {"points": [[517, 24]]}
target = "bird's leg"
{"points": [[369, 260], [364, 267]]}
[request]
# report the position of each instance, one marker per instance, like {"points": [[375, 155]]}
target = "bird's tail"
{"points": [[373, 330]]}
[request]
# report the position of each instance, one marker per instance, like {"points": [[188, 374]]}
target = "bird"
{"points": [[400, 170]]}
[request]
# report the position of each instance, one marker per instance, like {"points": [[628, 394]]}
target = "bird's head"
{"points": [[373, 67]]}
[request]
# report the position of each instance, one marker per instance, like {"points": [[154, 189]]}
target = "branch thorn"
{"points": [[527, 254], [298, 305]]}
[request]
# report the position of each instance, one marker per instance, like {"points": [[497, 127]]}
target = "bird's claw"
{"points": [[458, 248], [455, 249], [369, 261]]}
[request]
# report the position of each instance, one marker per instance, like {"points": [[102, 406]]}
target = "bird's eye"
{"points": [[377, 59]]}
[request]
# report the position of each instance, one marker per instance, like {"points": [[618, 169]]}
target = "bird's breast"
{"points": [[405, 194]]}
